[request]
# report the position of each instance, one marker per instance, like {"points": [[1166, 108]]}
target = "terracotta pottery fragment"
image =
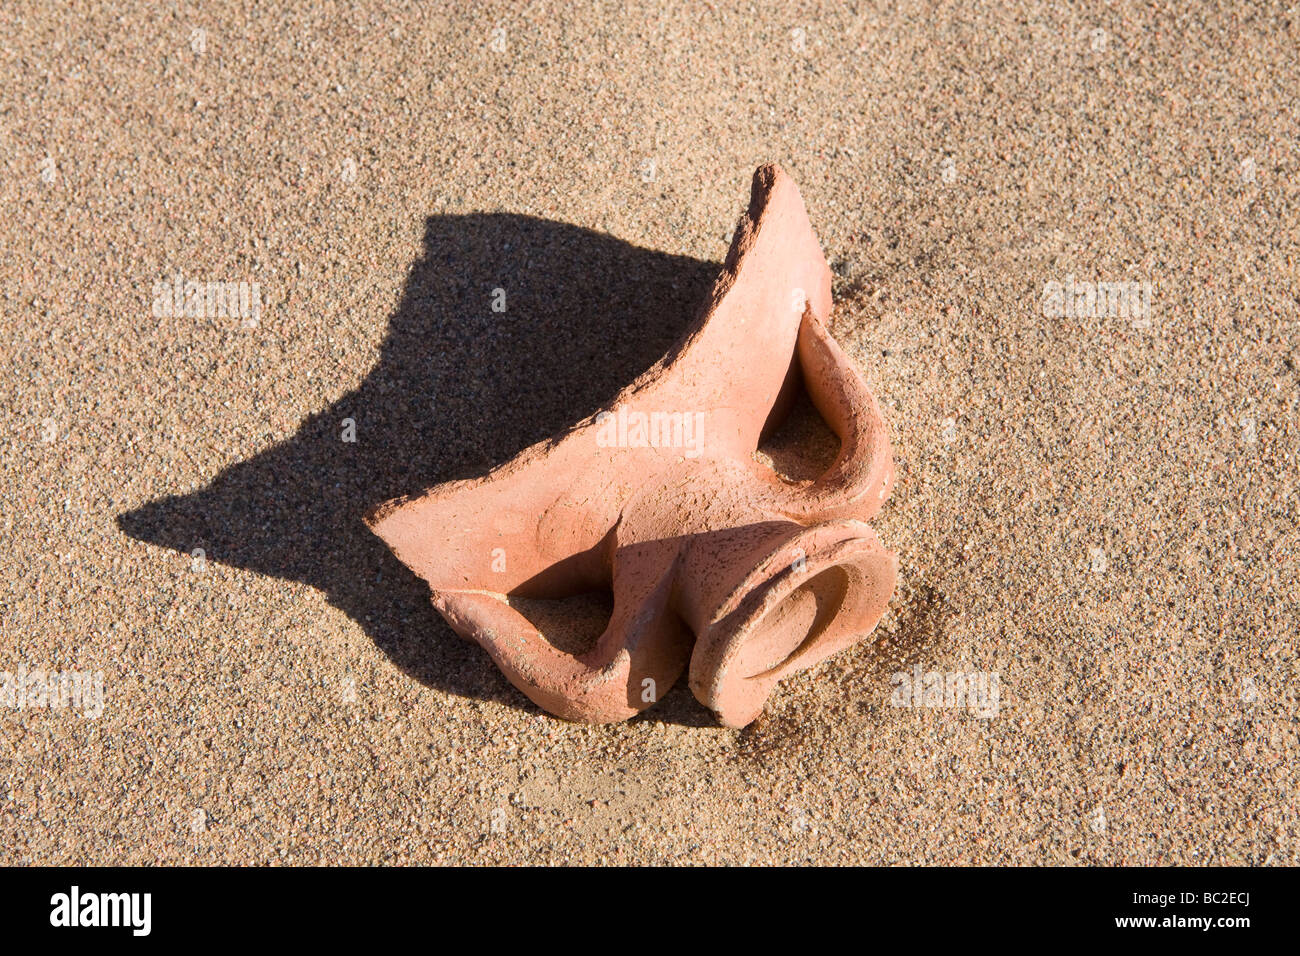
{"points": [[713, 560]]}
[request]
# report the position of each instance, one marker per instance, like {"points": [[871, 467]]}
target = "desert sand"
{"points": [[1099, 509]]}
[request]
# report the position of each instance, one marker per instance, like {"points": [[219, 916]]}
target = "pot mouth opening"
{"points": [[792, 620], [793, 627]]}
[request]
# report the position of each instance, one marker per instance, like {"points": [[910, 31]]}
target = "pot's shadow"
{"points": [[459, 387]]}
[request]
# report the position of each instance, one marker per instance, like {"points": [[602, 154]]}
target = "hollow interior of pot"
{"points": [[796, 442]]}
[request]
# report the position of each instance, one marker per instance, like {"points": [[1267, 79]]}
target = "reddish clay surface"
{"points": [[713, 559]]}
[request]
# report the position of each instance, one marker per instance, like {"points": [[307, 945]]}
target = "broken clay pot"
{"points": [[712, 558]]}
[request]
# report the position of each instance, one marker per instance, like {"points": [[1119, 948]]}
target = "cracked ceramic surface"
{"points": [[714, 561]]}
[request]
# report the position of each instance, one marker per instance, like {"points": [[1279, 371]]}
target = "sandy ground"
{"points": [[1102, 511]]}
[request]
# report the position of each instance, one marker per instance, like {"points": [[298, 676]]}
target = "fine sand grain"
{"points": [[1098, 509]]}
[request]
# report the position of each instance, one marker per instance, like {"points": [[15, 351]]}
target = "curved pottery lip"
{"points": [[714, 561], [822, 590]]}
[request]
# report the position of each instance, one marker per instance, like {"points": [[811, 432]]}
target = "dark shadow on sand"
{"points": [[458, 389]]}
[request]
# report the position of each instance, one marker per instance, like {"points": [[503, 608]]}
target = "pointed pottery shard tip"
{"points": [[716, 564]]}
